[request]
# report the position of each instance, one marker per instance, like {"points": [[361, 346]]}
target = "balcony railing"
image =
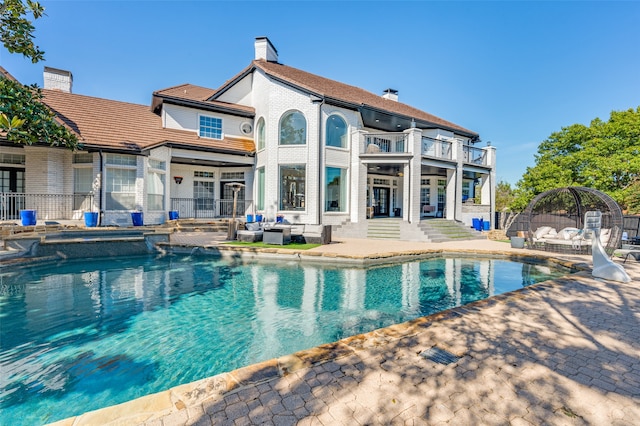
{"points": [[437, 148], [385, 143], [473, 155], [208, 208], [47, 206]]}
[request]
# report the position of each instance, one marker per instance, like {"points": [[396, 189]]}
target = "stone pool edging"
{"points": [[178, 399]]}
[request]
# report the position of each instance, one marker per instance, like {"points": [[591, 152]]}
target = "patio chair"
{"points": [[633, 253]]}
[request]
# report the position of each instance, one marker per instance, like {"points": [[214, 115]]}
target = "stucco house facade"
{"points": [[307, 148]]}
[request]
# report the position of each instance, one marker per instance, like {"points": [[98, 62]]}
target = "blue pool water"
{"points": [[78, 336]]}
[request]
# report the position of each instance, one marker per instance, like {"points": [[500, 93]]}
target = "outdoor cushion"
{"points": [[567, 233], [254, 226], [542, 231]]}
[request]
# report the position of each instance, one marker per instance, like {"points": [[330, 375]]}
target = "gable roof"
{"points": [[343, 94], [116, 125], [190, 95]]}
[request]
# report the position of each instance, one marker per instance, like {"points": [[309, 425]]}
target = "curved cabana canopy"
{"points": [[554, 220]]}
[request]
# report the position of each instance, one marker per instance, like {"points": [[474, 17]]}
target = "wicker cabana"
{"points": [[554, 220]]}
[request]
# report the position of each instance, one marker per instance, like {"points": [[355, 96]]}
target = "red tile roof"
{"points": [[120, 125]]}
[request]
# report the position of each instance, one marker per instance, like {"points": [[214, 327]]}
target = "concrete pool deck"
{"points": [[560, 352]]}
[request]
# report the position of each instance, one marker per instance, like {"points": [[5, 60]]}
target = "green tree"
{"points": [[23, 117], [604, 156], [16, 30], [32, 121]]}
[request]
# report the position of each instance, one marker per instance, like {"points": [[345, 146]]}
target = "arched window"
{"points": [[293, 129], [260, 134], [336, 132]]}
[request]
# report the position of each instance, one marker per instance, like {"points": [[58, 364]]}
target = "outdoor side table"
{"points": [[277, 235]]}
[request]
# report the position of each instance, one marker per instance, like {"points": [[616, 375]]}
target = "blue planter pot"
{"points": [[136, 218], [28, 217], [90, 219]]}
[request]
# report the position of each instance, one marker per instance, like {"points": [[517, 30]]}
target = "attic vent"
{"points": [[439, 356]]}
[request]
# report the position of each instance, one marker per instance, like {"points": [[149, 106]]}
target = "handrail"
{"points": [[473, 155], [385, 143], [437, 148], [48, 206]]}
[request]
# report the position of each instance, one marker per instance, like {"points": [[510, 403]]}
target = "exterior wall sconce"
{"points": [[178, 179]]}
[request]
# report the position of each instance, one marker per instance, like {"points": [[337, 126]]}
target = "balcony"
{"points": [[48, 206], [473, 155], [385, 143], [437, 148]]}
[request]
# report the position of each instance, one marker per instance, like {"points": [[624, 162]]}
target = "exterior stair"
{"points": [[432, 230], [441, 230], [388, 229], [195, 225]]}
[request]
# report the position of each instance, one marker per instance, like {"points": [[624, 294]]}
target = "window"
{"points": [[121, 160], [425, 196], [202, 174], [232, 176], [261, 185], [121, 189], [336, 132], [335, 189], [82, 188], [82, 158], [203, 192], [120, 177], [155, 184], [12, 158], [292, 187], [210, 127], [261, 134], [293, 129]]}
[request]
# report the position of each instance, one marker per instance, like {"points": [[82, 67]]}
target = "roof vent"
{"points": [[391, 94], [56, 79], [265, 50]]}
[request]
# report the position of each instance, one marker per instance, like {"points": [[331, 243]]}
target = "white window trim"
{"points": [[221, 127]]}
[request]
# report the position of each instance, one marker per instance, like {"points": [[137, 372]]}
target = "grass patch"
{"points": [[260, 244]]}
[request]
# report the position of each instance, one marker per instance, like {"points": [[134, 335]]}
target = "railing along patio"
{"points": [[47, 206], [209, 208], [474, 155]]}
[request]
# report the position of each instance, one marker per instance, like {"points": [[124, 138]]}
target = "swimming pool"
{"points": [[78, 336]]}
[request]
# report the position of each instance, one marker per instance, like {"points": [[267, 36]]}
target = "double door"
{"points": [[11, 192], [381, 201]]}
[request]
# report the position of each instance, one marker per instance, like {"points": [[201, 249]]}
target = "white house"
{"points": [[308, 148]]}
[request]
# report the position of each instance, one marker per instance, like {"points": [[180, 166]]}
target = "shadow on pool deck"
{"points": [[559, 352]]}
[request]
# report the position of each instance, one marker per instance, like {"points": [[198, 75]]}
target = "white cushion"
{"points": [[542, 231], [568, 233]]}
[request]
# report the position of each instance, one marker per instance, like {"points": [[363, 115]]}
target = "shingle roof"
{"points": [[120, 125], [349, 94]]}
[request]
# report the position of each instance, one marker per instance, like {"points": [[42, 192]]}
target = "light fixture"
{"points": [[178, 179]]}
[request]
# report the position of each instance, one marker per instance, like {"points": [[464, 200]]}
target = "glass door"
{"points": [[12, 190], [381, 201]]}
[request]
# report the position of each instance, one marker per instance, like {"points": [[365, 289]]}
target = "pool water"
{"points": [[81, 335]]}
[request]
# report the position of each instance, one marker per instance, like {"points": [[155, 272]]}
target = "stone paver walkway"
{"points": [[559, 353]]}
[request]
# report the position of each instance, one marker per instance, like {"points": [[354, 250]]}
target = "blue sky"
{"points": [[514, 72]]}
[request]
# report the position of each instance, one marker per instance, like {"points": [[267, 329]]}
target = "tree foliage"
{"points": [[31, 121], [604, 156], [16, 30], [23, 117]]}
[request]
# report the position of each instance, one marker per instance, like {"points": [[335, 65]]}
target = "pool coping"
{"points": [[160, 404]]}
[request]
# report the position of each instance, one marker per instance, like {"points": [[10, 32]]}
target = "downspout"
{"points": [[101, 215], [320, 145]]}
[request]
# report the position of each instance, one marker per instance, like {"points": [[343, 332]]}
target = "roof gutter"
{"points": [[205, 106]]}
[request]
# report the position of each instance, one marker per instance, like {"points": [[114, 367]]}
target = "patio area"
{"points": [[560, 352]]}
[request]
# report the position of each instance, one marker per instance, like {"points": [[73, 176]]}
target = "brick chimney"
{"points": [[265, 50], [391, 94], [56, 79]]}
